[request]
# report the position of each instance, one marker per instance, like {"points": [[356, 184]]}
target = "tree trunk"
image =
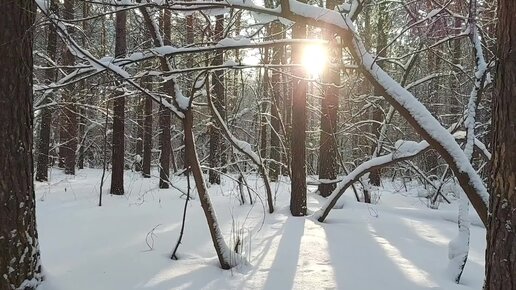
{"points": [[164, 118], [169, 88], [501, 231], [68, 132], [147, 134], [139, 133], [147, 122], [46, 113], [381, 50], [329, 106], [275, 153], [82, 118], [20, 266], [220, 100], [164, 144], [117, 158], [298, 134]]}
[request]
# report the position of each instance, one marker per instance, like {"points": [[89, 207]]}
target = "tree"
{"points": [[19, 253], [46, 113], [220, 103], [68, 132], [117, 158], [298, 133], [501, 230], [329, 107], [164, 116], [275, 154], [147, 131], [381, 51]]}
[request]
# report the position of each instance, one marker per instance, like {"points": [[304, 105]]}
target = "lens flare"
{"points": [[314, 59]]}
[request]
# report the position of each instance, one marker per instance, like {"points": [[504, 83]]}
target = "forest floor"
{"points": [[398, 243]]}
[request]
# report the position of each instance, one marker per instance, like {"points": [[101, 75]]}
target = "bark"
{"points": [[68, 132], [264, 104], [298, 134], [147, 134], [275, 150], [501, 230], [329, 106], [139, 133], [164, 118], [164, 144], [147, 122], [287, 112], [381, 50], [82, 118], [117, 157], [46, 113], [218, 90], [19, 252]]}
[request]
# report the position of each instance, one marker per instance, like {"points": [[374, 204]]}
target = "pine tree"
{"points": [[501, 231], [19, 253]]}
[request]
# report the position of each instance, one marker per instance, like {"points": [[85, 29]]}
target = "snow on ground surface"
{"points": [[396, 244]]}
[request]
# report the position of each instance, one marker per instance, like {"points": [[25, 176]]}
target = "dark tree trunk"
{"points": [[330, 103], [501, 231], [298, 134], [169, 88], [164, 142], [164, 118], [46, 113], [220, 103], [147, 135], [117, 158], [381, 50], [275, 153], [147, 122], [139, 133], [82, 118], [68, 132], [264, 104], [19, 253], [287, 109]]}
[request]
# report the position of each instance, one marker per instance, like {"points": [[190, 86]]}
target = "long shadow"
{"points": [[208, 275], [283, 270], [425, 254], [360, 262], [264, 247]]}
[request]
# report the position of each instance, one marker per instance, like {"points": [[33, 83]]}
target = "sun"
{"points": [[314, 59]]}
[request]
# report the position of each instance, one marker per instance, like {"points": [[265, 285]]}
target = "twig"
{"points": [[174, 256]]}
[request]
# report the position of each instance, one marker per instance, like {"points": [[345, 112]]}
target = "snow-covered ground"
{"points": [[396, 244]]}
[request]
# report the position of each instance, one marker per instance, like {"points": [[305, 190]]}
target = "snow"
{"points": [[107, 62], [238, 41], [182, 101], [164, 50], [396, 244], [421, 115], [433, 13], [240, 145], [230, 62], [317, 13]]}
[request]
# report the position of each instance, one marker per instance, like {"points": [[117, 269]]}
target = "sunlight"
{"points": [[407, 268], [314, 59]]}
